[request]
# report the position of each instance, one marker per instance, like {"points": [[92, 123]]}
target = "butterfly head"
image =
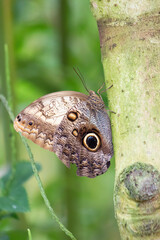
{"points": [[96, 100]]}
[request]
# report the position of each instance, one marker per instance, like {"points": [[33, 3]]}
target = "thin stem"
{"points": [[3, 88], [8, 80], [29, 234], [5, 103], [10, 102]]}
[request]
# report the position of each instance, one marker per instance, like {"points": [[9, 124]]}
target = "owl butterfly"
{"points": [[73, 125]]}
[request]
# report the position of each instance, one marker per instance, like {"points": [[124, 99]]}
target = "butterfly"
{"points": [[73, 125]]}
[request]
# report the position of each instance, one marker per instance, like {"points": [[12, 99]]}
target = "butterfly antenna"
{"points": [[79, 74], [98, 92], [105, 89], [109, 87]]}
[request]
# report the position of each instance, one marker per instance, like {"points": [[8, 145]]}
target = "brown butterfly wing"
{"points": [[70, 149], [46, 122], [39, 121]]}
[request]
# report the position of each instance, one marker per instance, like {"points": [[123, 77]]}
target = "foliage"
{"points": [[13, 196]]}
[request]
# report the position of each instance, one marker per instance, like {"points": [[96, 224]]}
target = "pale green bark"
{"points": [[130, 45]]}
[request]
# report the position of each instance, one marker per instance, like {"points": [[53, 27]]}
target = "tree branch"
{"points": [[129, 38]]}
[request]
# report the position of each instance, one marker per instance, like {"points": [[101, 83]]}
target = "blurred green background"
{"points": [[46, 39]]}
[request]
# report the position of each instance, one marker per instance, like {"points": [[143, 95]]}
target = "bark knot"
{"points": [[137, 200]]}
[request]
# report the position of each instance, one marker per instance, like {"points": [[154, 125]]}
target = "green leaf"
{"points": [[4, 237], [8, 215], [23, 171], [13, 195], [16, 201]]}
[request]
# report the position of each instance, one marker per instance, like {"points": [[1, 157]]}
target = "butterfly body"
{"points": [[73, 125]]}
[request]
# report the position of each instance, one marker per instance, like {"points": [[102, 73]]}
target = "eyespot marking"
{"points": [[30, 123], [92, 142], [19, 118], [72, 116], [75, 132]]}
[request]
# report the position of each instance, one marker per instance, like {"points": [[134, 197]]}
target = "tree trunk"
{"points": [[130, 45]]}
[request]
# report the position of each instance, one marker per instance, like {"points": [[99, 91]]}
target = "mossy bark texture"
{"points": [[130, 45]]}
